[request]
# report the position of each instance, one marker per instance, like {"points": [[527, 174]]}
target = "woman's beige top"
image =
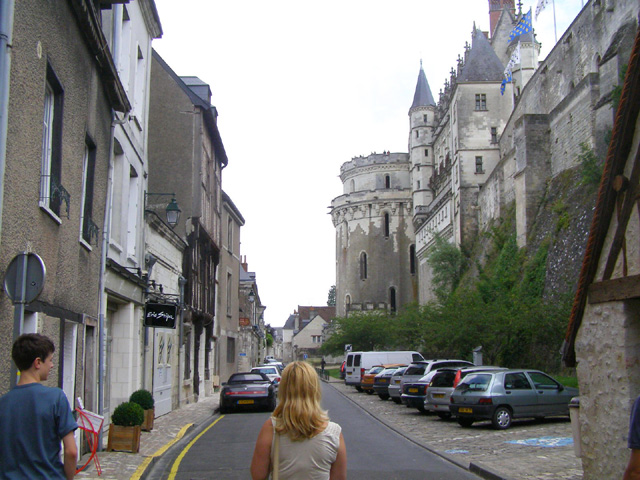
{"points": [[308, 459]]}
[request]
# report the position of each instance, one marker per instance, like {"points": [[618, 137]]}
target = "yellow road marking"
{"points": [[143, 466], [176, 464]]}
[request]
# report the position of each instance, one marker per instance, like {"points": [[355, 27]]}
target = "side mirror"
{"points": [[224, 383]]}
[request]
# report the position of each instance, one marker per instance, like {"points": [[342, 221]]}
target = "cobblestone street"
{"points": [[515, 453]]}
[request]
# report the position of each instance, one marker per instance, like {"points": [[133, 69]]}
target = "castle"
{"points": [[477, 150]]}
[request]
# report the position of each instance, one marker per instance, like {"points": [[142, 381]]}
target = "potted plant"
{"points": [[145, 400], [124, 431]]}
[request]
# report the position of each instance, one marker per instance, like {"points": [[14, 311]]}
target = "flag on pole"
{"points": [[540, 7], [523, 26], [515, 58]]}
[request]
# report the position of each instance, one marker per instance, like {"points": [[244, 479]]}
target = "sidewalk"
{"points": [[167, 429]]}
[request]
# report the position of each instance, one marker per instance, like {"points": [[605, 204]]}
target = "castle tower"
{"points": [[422, 121], [375, 247], [495, 11]]}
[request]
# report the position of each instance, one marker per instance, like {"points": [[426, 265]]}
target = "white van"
{"points": [[359, 362]]}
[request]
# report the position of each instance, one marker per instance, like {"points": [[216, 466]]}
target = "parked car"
{"points": [[442, 385], [414, 385], [395, 388], [359, 362], [270, 371], [504, 395], [381, 381], [247, 390], [276, 363], [343, 372], [367, 379]]}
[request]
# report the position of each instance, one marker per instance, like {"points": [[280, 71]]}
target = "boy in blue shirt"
{"points": [[34, 418]]}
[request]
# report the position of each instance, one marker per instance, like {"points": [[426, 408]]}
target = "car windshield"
{"points": [[247, 378], [399, 372], [443, 379], [376, 370], [266, 371], [388, 371], [415, 370], [476, 382]]}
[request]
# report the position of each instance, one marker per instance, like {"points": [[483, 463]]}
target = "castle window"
{"points": [[418, 185], [417, 133], [363, 266], [387, 181], [481, 101], [386, 225], [425, 118], [412, 259], [479, 165], [426, 152], [494, 135], [392, 299]]}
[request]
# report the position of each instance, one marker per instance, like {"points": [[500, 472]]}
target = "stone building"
{"points": [[227, 326], [603, 335], [186, 157], [129, 30], [374, 234], [63, 89], [252, 343]]}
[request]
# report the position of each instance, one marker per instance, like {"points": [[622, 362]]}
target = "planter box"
{"points": [[124, 439], [149, 415]]}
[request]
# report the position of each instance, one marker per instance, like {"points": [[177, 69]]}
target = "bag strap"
{"points": [[275, 474]]}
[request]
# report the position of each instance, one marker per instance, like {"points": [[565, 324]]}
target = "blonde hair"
{"points": [[298, 413]]}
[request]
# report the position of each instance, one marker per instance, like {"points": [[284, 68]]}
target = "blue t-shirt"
{"points": [[634, 426], [33, 421]]}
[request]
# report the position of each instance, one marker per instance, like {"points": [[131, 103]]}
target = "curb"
{"points": [[475, 468]]}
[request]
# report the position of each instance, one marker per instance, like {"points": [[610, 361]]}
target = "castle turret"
{"points": [[422, 120], [375, 244]]}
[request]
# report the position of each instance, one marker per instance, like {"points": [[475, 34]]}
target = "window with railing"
{"points": [[90, 230], [52, 193]]}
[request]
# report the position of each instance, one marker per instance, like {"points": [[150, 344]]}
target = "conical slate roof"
{"points": [[422, 97], [482, 63]]}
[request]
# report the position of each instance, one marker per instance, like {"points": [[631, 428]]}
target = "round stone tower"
{"points": [[375, 247], [422, 124]]}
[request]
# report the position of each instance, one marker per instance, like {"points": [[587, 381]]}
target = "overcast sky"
{"points": [[302, 87]]}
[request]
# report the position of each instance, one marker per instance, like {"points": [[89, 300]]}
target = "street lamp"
{"points": [[172, 210], [252, 296]]}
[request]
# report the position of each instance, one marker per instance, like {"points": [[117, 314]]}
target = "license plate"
{"points": [[383, 380], [438, 395], [245, 402], [413, 390], [465, 410]]}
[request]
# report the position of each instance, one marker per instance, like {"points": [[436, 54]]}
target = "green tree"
{"points": [[363, 330], [331, 299], [447, 263]]}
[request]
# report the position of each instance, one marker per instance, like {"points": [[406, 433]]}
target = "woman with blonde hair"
{"points": [[298, 441]]}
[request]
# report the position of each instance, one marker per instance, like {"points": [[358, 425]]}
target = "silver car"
{"points": [[382, 381], [395, 387], [442, 385], [505, 395]]}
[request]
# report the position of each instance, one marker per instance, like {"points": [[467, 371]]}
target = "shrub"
{"points": [[142, 398], [128, 414]]}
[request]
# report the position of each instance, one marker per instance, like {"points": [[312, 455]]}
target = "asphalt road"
{"points": [[374, 452]]}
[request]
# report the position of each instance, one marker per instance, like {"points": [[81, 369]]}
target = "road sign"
{"points": [[25, 276]]}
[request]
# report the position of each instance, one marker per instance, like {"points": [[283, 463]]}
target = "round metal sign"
{"points": [[24, 278]]}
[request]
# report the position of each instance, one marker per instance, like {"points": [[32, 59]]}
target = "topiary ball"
{"points": [[142, 398], [128, 414]]}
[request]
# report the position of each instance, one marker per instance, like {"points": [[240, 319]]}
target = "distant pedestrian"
{"points": [[299, 441], [322, 364], [633, 442], [34, 419]]}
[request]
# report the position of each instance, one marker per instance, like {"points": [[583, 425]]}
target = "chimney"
{"points": [[495, 10], [244, 264]]}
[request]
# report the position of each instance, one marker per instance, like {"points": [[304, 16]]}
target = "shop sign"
{"points": [[160, 315], [245, 322]]}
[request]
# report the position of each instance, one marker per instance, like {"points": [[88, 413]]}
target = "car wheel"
{"points": [[383, 396], [465, 422], [359, 389], [369, 392], [272, 404], [223, 410], [396, 400], [444, 415], [422, 409], [539, 419], [501, 418]]}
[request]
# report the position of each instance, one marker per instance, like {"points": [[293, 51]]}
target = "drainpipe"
{"points": [[6, 36]]}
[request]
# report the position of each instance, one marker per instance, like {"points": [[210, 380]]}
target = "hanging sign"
{"points": [[160, 315]]}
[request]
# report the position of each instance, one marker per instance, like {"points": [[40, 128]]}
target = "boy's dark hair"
{"points": [[30, 346]]}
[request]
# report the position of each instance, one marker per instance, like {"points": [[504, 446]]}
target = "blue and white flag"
{"points": [[523, 26], [505, 80], [540, 7], [515, 59]]}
